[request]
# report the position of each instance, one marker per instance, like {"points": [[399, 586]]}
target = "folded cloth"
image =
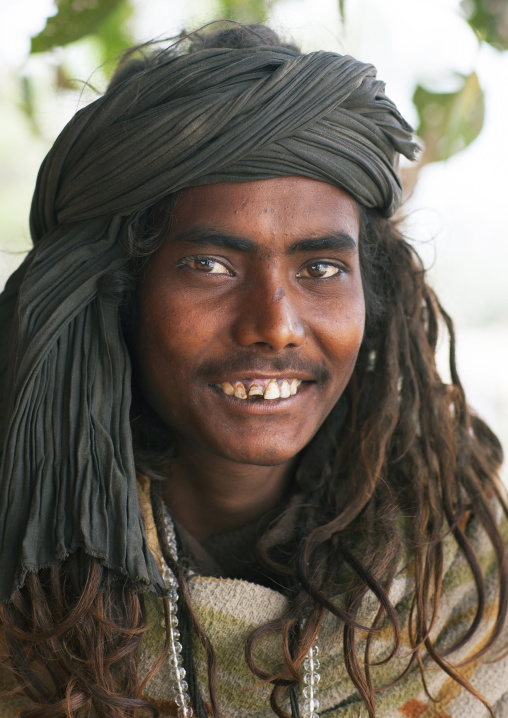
{"points": [[230, 609], [67, 477]]}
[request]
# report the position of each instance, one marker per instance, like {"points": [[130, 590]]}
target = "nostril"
{"points": [[269, 321]]}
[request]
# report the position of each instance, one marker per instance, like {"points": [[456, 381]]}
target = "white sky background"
{"points": [[457, 215]]}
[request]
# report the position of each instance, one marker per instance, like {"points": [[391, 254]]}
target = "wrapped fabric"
{"points": [[67, 477]]}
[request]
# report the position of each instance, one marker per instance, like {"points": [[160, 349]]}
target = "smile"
{"points": [[257, 389]]}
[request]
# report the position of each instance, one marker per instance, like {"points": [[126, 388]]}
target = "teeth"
{"points": [[240, 392], [285, 389], [255, 390], [272, 390], [227, 388]]}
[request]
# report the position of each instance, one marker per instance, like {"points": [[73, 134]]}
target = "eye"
{"points": [[320, 270], [208, 265]]}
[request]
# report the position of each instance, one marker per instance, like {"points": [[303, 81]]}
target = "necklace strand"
{"points": [[179, 685], [311, 679]]}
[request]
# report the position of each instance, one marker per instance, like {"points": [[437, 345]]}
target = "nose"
{"points": [[268, 317]]}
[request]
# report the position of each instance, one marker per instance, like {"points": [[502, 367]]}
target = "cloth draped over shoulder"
{"points": [[230, 609], [67, 476]]}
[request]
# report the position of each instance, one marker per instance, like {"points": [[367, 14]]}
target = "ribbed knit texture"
{"points": [[229, 610]]}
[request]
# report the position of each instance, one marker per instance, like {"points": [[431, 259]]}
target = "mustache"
{"points": [[252, 363]]}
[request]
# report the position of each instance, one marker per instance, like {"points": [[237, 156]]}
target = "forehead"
{"points": [[275, 210]]}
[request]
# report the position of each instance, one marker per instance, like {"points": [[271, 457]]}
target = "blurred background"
{"points": [[445, 63]]}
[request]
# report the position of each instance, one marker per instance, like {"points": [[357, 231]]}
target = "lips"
{"points": [[261, 388]]}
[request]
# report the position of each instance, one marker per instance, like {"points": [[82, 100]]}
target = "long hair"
{"points": [[409, 445]]}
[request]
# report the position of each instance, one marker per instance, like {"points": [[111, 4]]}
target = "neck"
{"points": [[210, 495]]}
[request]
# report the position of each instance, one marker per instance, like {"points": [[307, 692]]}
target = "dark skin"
{"points": [[255, 282]]}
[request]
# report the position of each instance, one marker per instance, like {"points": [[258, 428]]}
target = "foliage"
{"points": [[449, 121], [342, 11], [489, 20], [246, 11], [27, 102], [106, 21]]}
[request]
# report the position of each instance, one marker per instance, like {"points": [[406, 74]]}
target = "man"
{"points": [[219, 223], [245, 348]]}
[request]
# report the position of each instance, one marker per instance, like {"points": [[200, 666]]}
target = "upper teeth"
{"points": [[272, 389]]}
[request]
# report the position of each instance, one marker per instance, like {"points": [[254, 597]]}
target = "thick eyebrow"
{"points": [[342, 241], [208, 237]]}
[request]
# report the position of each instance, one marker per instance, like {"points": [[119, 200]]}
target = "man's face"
{"points": [[257, 285]]}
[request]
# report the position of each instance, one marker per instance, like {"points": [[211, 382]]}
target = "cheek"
{"points": [[343, 330], [173, 328], [163, 357], [158, 338]]}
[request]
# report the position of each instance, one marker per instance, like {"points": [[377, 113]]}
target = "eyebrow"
{"points": [[206, 237], [341, 241]]}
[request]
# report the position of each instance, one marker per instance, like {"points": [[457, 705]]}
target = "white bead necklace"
{"points": [[179, 685], [311, 679]]}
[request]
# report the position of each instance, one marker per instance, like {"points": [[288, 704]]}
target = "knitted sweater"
{"points": [[230, 609]]}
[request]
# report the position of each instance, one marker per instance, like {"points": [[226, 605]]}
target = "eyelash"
{"points": [[335, 265], [186, 261]]}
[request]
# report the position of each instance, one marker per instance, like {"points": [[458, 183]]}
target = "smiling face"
{"points": [[257, 293]]}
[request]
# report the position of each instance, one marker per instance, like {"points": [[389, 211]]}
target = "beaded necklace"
{"points": [[179, 685]]}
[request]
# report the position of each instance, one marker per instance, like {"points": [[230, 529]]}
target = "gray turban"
{"points": [[67, 476]]}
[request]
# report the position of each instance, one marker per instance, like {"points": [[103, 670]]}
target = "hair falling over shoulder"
{"points": [[73, 642]]}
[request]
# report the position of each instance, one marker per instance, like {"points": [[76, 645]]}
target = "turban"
{"points": [[67, 475]]}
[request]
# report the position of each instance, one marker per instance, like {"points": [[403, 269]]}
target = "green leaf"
{"points": [[342, 11], [247, 11], [74, 20], [489, 20], [449, 121], [113, 34], [27, 103]]}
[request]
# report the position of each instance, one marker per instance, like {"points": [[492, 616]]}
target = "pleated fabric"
{"points": [[67, 477]]}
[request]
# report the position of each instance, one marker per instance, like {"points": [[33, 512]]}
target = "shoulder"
{"points": [[470, 608], [460, 623]]}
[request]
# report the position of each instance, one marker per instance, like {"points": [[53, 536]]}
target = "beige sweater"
{"points": [[230, 609]]}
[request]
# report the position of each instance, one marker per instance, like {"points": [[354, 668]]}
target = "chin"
{"points": [[264, 455]]}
